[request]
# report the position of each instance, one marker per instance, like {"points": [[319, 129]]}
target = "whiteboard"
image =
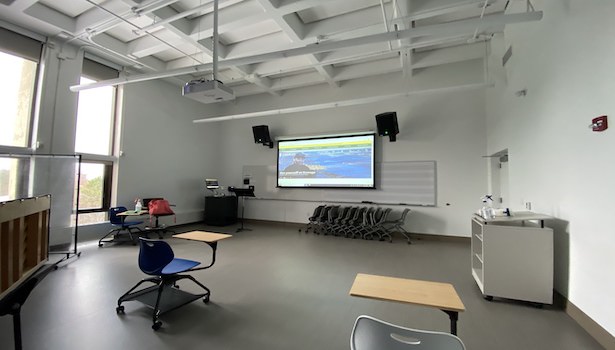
{"points": [[408, 183]]}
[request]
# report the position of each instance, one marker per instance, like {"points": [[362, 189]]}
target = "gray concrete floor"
{"points": [[275, 288]]}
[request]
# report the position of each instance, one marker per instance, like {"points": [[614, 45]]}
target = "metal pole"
{"points": [[215, 63]]}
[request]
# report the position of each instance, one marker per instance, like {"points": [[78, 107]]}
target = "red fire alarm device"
{"points": [[599, 123]]}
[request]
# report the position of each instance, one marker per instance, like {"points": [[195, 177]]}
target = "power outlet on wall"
{"points": [[528, 205]]}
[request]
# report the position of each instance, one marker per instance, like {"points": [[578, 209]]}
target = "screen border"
{"points": [[277, 167]]}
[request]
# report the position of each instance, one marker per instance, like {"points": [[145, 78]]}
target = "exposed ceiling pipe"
{"points": [[345, 103], [482, 14], [214, 72], [136, 11], [386, 21], [90, 36], [203, 7], [437, 29]]}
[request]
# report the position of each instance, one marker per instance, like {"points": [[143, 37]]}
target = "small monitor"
{"points": [[212, 184]]}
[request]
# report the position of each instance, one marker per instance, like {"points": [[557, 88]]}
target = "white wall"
{"points": [[556, 162], [163, 153], [448, 128]]}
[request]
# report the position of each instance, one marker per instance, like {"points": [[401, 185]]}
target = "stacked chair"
{"points": [[312, 220], [356, 222], [398, 225]]}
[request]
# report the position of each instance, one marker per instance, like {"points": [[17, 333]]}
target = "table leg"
{"points": [[453, 315]]}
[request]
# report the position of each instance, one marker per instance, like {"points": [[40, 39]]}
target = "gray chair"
{"points": [[370, 333], [398, 225]]}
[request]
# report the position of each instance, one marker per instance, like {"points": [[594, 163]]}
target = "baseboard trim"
{"points": [[601, 335], [415, 236]]}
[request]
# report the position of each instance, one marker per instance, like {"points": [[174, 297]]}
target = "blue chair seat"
{"points": [[178, 265]]}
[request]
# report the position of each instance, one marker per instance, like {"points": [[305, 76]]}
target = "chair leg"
{"points": [[206, 297], [100, 243], [156, 313], [132, 239], [403, 232], [154, 280]]}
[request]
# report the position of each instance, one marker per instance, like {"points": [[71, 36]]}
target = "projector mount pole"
{"points": [[215, 50]]}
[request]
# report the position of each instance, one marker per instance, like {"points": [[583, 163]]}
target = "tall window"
{"points": [[16, 98], [19, 59], [94, 140], [95, 116]]}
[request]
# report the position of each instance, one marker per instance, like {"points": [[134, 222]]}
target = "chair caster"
{"points": [[156, 326], [206, 299], [119, 310], [100, 244]]}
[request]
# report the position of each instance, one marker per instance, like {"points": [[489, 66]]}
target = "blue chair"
{"points": [[370, 333], [120, 224], [156, 259]]}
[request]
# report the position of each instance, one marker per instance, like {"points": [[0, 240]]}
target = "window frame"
{"points": [[109, 161], [27, 47]]}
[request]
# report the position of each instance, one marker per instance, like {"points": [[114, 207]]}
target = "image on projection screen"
{"points": [[336, 161]]}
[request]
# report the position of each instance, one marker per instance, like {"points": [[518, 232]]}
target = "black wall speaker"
{"points": [[261, 135], [387, 125]]}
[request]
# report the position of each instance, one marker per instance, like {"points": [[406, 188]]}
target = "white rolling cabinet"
{"points": [[512, 257]]}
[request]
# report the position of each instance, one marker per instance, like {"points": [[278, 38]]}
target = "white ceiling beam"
{"points": [[291, 6], [297, 81], [350, 54], [278, 66], [346, 22], [22, 5], [402, 8], [181, 28], [368, 69], [263, 82], [52, 17], [365, 69], [422, 9], [292, 26], [449, 55], [436, 29], [96, 20], [260, 45], [345, 103], [229, 18]]}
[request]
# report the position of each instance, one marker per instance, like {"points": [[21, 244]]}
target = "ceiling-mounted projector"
{"points": [[207, 91]]}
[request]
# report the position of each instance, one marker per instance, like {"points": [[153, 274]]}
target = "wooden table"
{"points": [[434, 294], [210, 238]]}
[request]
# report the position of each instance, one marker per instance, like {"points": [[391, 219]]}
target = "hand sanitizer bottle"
{"points": [[138, 206]]}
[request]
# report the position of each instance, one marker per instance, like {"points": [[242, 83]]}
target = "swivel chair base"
{"points": [[119, 230], [163, 296]]}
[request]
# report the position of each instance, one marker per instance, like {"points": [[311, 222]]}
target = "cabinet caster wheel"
{"points": [[156, 326], [206, 299], [119, 310], [488, 297], [538, 305]]}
